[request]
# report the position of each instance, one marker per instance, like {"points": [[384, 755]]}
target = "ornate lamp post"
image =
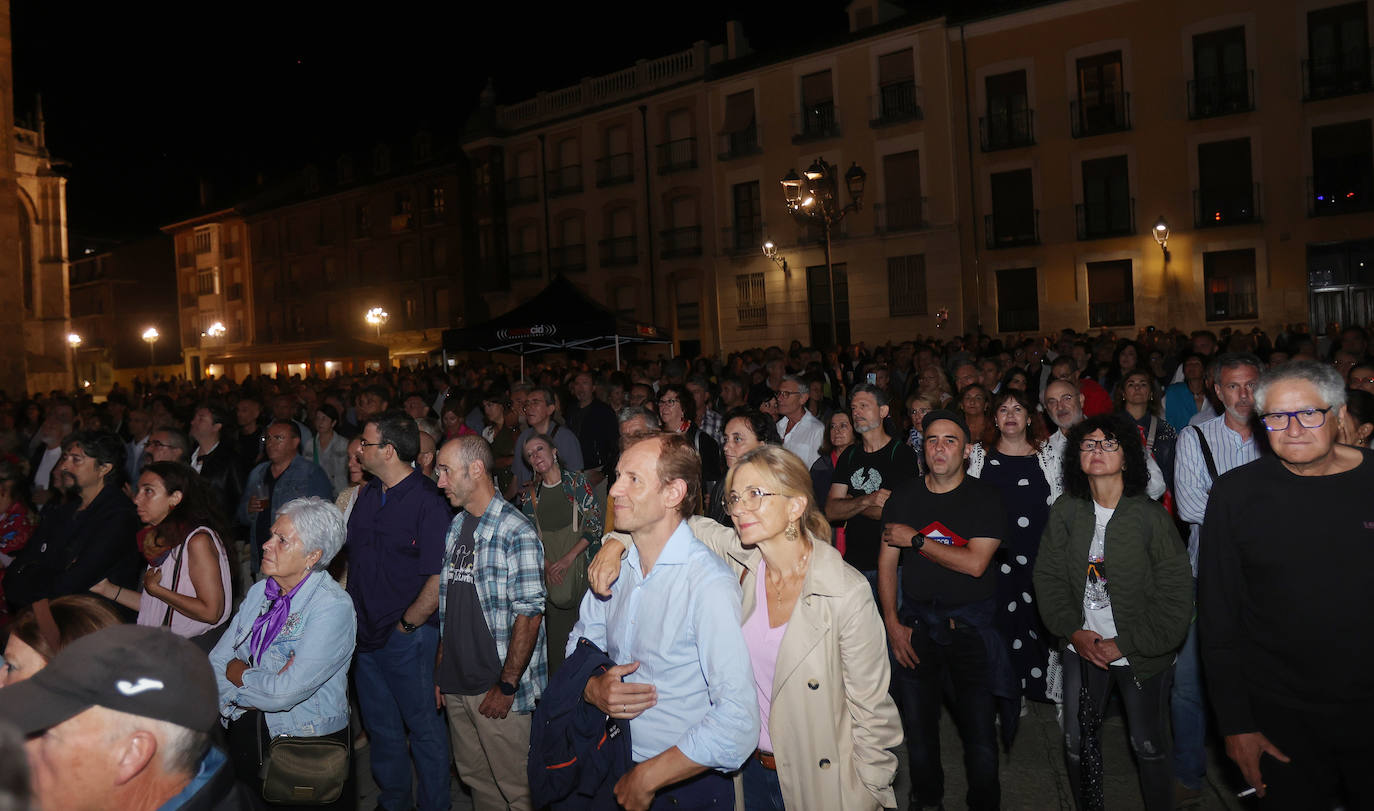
{"points": [[814, 196], [151, 335], [377, 317], [74, 341]]}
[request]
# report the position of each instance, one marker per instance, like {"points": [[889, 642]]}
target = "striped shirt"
{"points": [[509, 575], [1193, 482]]}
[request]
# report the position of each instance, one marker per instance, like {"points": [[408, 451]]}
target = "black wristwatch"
{"points": [[507, 689], [917, 541], [407, 628]]}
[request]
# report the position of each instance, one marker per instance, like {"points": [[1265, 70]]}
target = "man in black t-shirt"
{"points": [[943, 529], [865, 476]]}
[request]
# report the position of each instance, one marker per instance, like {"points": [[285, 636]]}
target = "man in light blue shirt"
{"points": [[673, 623]]}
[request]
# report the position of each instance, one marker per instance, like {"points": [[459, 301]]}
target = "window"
{"points": [[620, 247], [896, 99], [1343, 168], [345, 169], [402, 211], [438, 256], [405, 260], [748, 229], [436, 199], [381, 160], [625, 301], [1111, 294], [292, 236], [902, 180], [204, 240], [570, 255], [1228, 277], [752, 308], [1102, 100], [617, 165], [740, 133], [1018, 301], [207, 281], [330, 266], [1221, 80], [906, 285], [688, 296], [818, 115], [679, 149], [1225, 194], [329, 220], [1338, 52], [1009, 122], [1107, 209], [567, 177], [362, 221], [1014, 220]]}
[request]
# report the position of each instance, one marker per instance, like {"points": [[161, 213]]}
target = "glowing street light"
{"points": [[216, 330], [150, 335], [377, 317], [73, 341]]}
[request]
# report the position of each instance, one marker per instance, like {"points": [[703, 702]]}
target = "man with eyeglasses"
{"points": [[1064, 404], [284, 476], [540, 406], [1284, 600], [166, 445], [1205, 451], [801, 432]]}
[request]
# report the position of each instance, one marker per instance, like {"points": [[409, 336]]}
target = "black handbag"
{"points": [[302, 771]]}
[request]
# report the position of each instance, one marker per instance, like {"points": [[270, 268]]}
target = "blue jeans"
{"points": [[1189, 714], [710, 789], [762, 791], [396, 695], [962, 663]]}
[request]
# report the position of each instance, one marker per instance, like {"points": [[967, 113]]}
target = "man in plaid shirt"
{"points": [[492, 663]]}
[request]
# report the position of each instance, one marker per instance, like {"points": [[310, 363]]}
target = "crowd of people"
{"points": [[694, 580]]}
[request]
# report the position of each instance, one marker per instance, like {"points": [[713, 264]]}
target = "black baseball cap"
{"points": [[946, 414], [143, 671]]}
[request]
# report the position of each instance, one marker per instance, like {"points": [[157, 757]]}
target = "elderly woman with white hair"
{"points": [[282, 666]]}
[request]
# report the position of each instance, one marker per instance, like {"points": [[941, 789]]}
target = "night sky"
{"points": [[144, 99]]}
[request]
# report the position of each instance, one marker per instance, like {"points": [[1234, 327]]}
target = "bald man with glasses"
{"points": [[284, 476]]}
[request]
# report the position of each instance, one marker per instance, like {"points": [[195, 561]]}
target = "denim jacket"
{"points": [[302, 478], [311, 697]]}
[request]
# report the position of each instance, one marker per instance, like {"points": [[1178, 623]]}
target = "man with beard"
{"points": [[88, 537]]}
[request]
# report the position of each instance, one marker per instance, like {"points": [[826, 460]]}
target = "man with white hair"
{"points": [[121, 719], [801, 432], [1283, 585]]}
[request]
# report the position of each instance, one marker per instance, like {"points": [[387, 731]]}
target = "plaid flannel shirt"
{"points": [[509, 575], [713, 424]]}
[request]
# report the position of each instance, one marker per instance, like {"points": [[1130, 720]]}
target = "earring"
{"points": [[792, 531]]}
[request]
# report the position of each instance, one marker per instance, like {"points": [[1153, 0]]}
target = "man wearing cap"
{"points": [[943, 530], [121, 719]]}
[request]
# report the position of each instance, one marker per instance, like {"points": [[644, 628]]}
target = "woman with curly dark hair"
{"points": [[1106, 529], [1138, 397], [186, 586], [745, 429]]}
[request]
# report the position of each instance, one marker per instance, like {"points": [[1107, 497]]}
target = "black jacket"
{"points": [[73, 550], [221, 470], [576, 753]]}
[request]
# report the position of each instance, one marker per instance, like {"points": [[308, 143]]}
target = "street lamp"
{"points": [[377, 317], [770, 250], [216, 330], [73, 341], [150, 335], [815, 196], [1161, 234]]}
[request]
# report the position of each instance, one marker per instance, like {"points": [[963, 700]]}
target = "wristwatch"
{"points": [[917, 541], [507, 689], [407, 628]]}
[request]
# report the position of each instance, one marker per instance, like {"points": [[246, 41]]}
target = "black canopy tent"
{"points": [[560, 317]]}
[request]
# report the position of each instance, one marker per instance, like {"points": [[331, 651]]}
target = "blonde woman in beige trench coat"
{"points": [[832, 723]]}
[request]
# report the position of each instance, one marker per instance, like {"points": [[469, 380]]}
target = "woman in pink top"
{"points": [[186, 587], [817, 645]]}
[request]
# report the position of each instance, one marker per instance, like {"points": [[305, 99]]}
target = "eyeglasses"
{"points": [[1307, 418], [1105, 445], [669, 401], [789, 394], [153, 443], [279, 438], [366, 444], [748, 501]]}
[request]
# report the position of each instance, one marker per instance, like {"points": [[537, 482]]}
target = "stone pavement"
{"points": [[1033, 774]]}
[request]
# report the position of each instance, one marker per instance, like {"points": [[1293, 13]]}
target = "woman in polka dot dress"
{"points": [[1018, 461]]}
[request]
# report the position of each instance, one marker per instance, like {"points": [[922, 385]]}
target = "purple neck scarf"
{"points": [[269, 623]]}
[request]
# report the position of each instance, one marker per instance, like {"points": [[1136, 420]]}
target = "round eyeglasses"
{"points": [[1105, 445], [748, 501]]}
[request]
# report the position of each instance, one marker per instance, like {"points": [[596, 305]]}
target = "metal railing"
{"points": [[675, 156], [1214, 208], [616, 251], [895, 103], [1007, 130], [742, 240], [1340, 195], [685, 241], [565, 180], [812, 232], [816, 122], [1111, 314], [738, 144], [1221, 95], [901, 215], [1343, 75], [1010, 231], [568, 258], [613, 170], [1111, 113], [522, 190], [1113, 218]]}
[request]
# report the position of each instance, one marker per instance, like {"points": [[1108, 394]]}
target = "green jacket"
{"points": [[1149, 579]]}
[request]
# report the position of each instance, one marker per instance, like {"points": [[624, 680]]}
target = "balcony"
{"points": [[619, 251], [1327, 78], [1347, 195], [614, 170], [738, 144], [1215, 208], [1112, 113], [234, 292], [1221, 95], [189, 300], [524, 265], [818, 122], [812, 232], [402, 222], [1010, 231], [743, 239], [1007, 130], [679, 242], [895, 216], [895, 103], [565, 180], [568, 259], [521, 190], [677, 156], [1114, 218], [186, 260]]}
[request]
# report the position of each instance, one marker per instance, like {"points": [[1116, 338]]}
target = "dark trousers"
{"points": [[707, 790], [1147, 718], [963, 666], [1331, 756], [762, 790], [247, 737]]}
